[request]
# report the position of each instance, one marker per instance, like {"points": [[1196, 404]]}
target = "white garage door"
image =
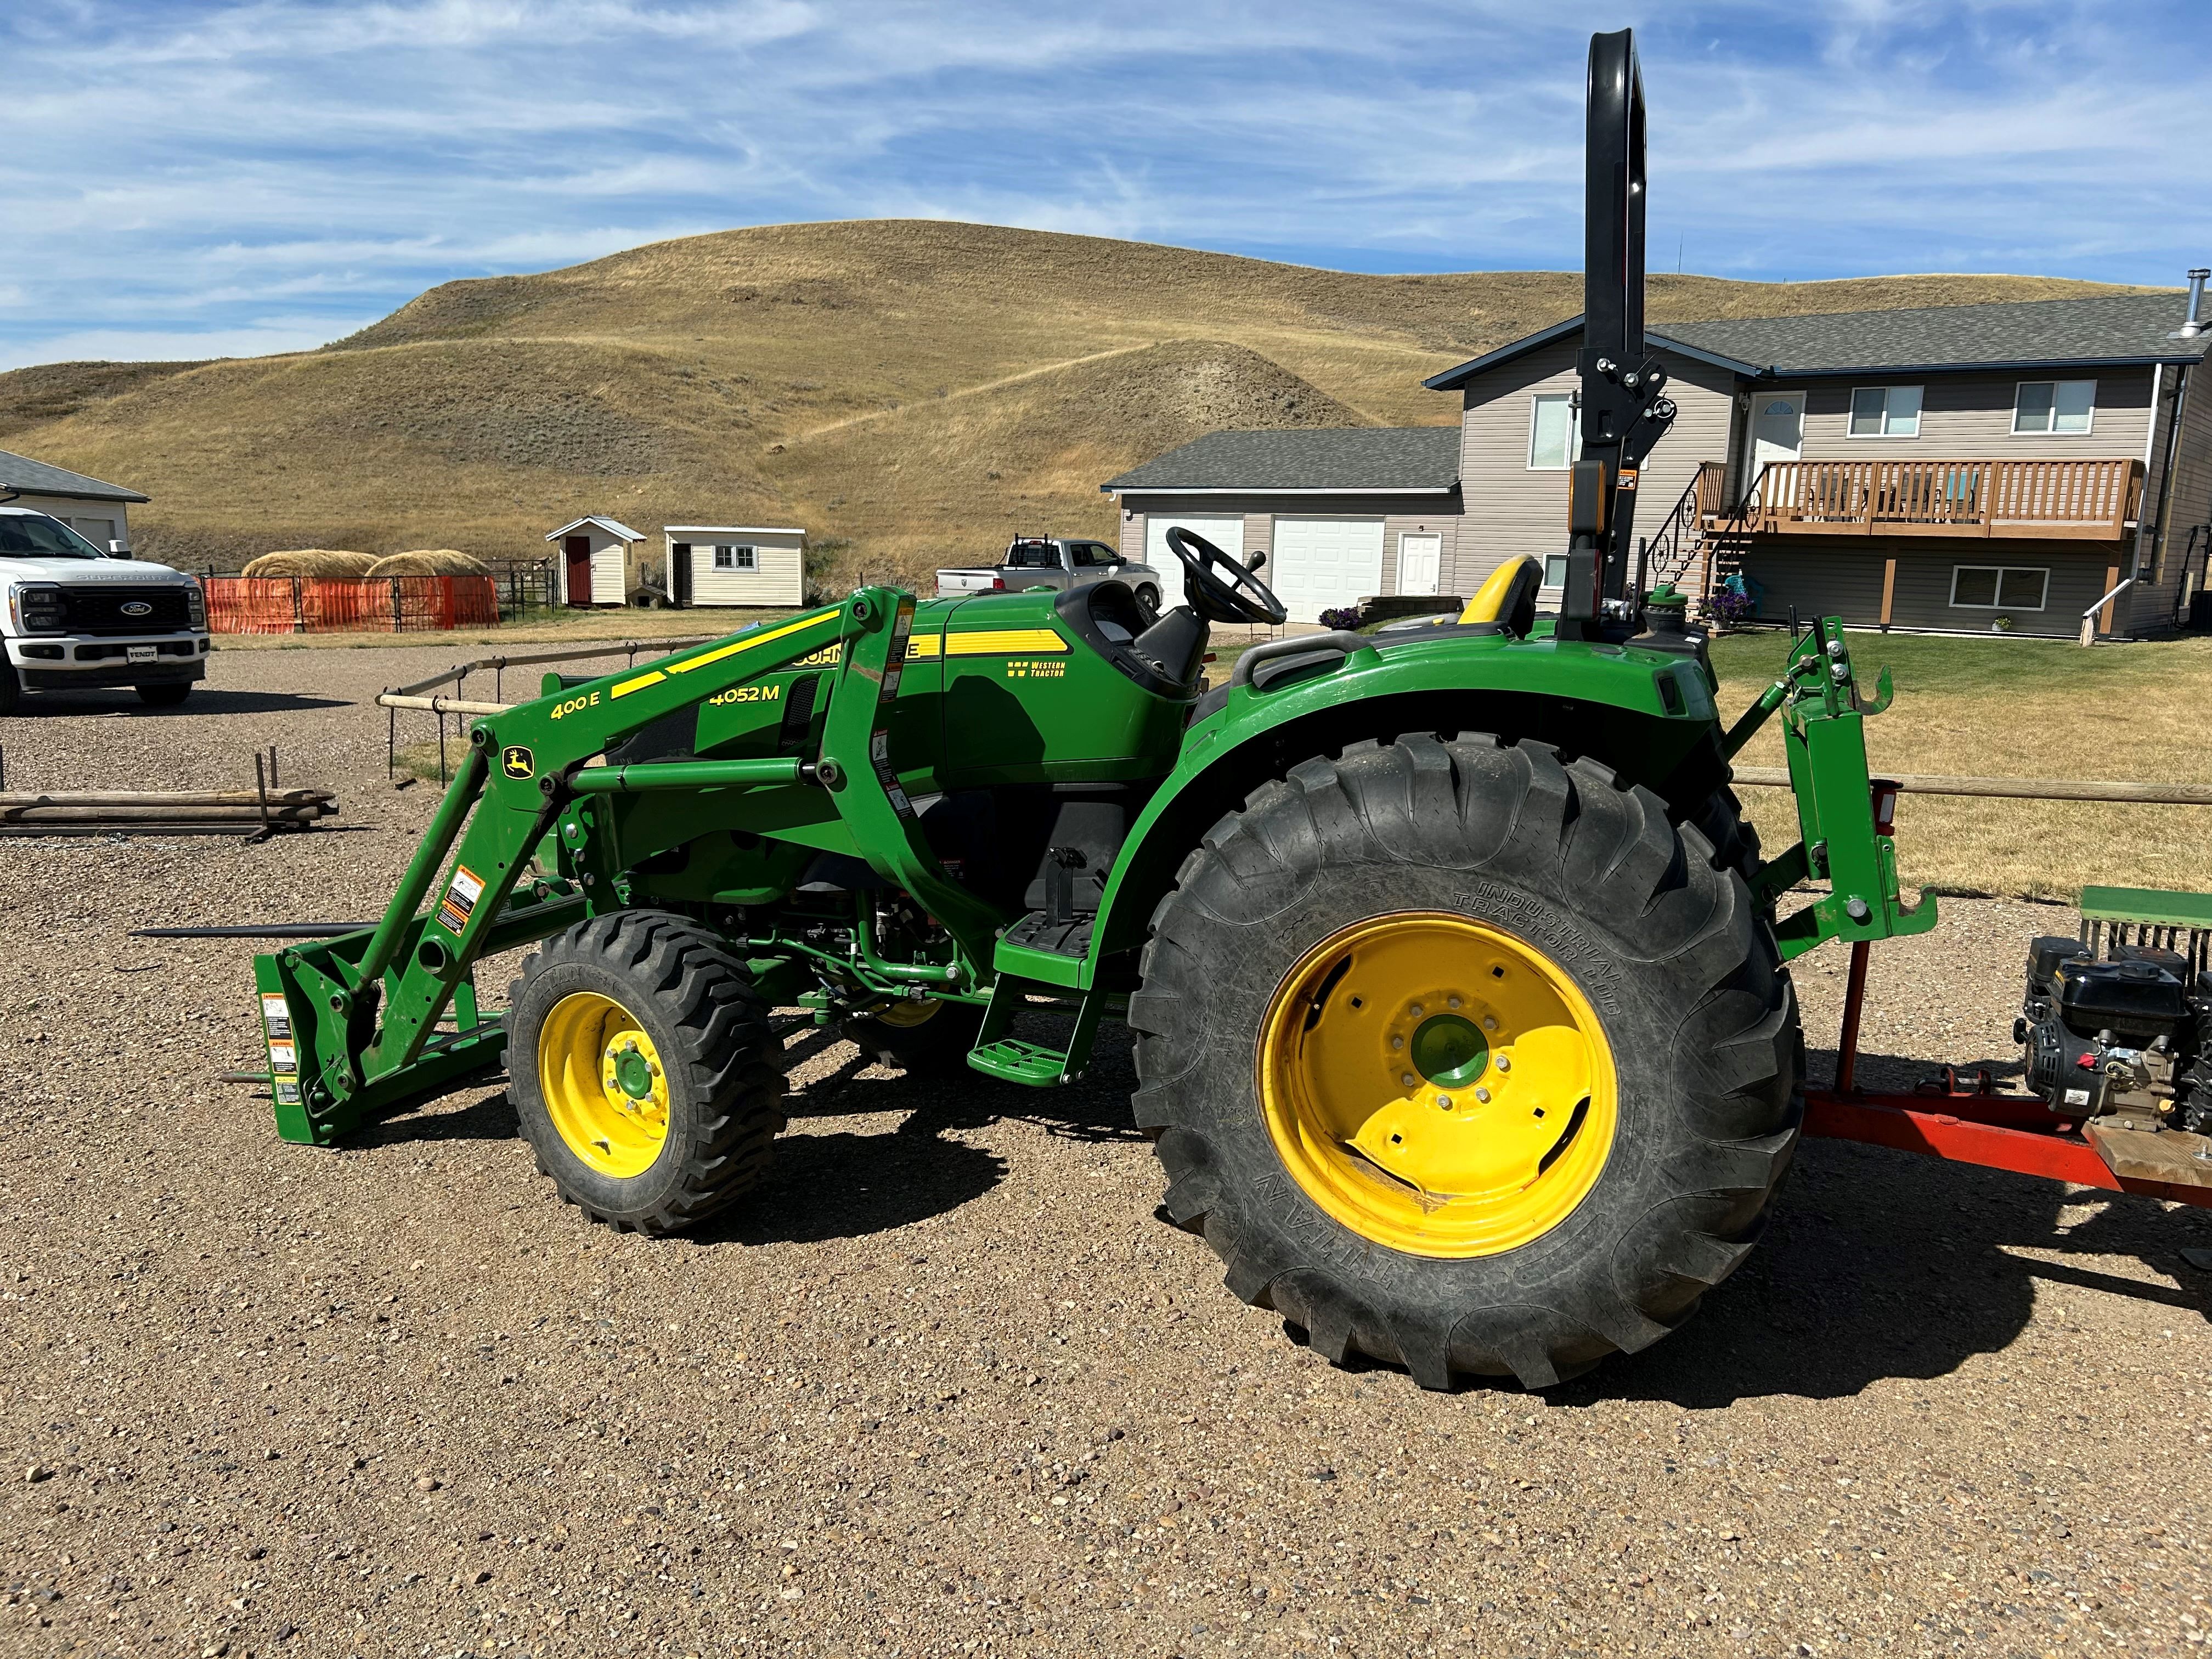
{"points": [[1225, 531], [1321, 564]]}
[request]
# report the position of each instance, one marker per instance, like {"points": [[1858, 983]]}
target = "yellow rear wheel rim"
{"points": [[1438, 1084], [906, 1015], [604, 1085]]}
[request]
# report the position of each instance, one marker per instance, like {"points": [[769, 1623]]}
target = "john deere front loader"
{"points": [[1462, 1023]]}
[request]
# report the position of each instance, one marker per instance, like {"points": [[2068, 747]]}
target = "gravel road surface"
{"points": [[948, 1386]]}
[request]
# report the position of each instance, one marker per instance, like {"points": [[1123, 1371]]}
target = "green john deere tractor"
{"points": [[1461, 1013]]}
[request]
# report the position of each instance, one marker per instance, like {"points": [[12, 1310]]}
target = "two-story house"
{"points": [[1958, 468]]}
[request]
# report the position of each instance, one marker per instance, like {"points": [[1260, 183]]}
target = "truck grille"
{"points": [[100, 610]]}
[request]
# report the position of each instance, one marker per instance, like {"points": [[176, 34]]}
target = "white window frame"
{"points": [[2052, 430], [2042, 599], [726, 557], [1574, 431], [1850, 414]]}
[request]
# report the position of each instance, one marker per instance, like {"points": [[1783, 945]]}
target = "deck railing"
{"points": [[2084, 499]]}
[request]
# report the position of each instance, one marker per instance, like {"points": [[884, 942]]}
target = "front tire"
{"points": [[164, 696], [1329, 994], [11, 689], [643, 1069]]}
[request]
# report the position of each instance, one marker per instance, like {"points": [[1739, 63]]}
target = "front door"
{"points": [[1777, 429], [579, 551], [1420, 559]]}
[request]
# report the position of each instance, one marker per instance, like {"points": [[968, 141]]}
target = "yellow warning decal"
{"points": [[721, 653], [1003, 641]]}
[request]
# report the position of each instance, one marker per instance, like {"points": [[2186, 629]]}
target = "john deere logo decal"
{"points": [[517, 762], [138, 608]]}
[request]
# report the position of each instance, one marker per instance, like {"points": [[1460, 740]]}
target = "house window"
{"points": [[2060, 406], [1886, 412], [1999, 586], [727, 557], [1553, 441]]}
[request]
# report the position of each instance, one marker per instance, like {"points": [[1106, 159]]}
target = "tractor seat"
{"points": [[1162, 652]]}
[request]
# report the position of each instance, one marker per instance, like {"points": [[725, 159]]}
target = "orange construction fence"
{"points": [[322, 605]]}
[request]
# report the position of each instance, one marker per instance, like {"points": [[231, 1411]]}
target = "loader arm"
{"points": [[353, 1022]]}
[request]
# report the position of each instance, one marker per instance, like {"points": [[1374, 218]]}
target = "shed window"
{"points": [[1999, 586], [727, 557], [1886, 412], [2060, 406], [1553, 441]]}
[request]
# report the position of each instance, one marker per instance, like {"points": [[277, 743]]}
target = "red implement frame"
{"points": [[1974, 1125]]}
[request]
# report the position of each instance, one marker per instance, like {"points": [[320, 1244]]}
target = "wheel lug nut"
{"points": [[1483, 1095], [1452, 1002], [1406, 1079], [1415, 1010], [1397, 1042], [1444, 1102], [1489, 1021], [1506, 1062]]}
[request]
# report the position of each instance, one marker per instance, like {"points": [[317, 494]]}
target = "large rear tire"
{"points": [[1465, 1058], [643, 1069]]}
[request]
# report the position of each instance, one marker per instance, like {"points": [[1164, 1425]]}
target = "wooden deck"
{"points": [[2075, 501]]}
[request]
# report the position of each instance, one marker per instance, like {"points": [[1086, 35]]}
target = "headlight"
{"points": [[38, 610], [195, 605]]}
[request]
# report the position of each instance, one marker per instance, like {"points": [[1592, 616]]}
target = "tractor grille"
{"points": [[100, 610]]}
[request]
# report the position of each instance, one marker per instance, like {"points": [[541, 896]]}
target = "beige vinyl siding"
{"points": [[2165, 548], [1969, 417], [1822, 579], [779, 579], [1396, 525], [1513, 509]]}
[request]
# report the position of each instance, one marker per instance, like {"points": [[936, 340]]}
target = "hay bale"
{"points": [[311, 561], [429, 561]]}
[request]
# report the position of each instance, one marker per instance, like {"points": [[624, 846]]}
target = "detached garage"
{"points": [[1343, 514], [735, 564]]}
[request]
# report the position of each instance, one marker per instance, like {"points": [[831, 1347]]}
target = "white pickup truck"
{"points": [[1053, 561], [77, 618]]}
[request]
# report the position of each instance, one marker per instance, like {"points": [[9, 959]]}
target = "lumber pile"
{"points": [[144, 811]]}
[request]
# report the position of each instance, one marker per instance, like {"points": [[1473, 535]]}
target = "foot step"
{"points": [[1017, 1062]]}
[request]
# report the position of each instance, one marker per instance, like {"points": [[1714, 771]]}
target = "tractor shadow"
{"points": [[1878, 1265], [828, 1183]]}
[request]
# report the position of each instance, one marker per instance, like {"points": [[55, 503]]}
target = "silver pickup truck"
{"points": [[1053, 561]]}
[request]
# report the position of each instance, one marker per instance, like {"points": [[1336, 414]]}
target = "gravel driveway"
{"points": [[947, 1386]]}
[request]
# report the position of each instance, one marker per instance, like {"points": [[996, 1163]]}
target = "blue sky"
{"points": [[195, 180]]}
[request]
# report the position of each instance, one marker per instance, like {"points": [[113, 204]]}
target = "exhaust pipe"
{"points": [[2194, 323]]}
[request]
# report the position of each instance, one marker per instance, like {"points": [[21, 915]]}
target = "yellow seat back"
{"points": [[1509, 594]]}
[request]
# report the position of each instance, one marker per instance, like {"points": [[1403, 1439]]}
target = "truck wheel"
{"points": [[918, 1036], [642, 1067], [1149, 597], [1465, 1059], [11, 689], [164, 696]]}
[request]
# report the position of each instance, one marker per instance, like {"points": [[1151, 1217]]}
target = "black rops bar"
{"points": [[1622, 414]]}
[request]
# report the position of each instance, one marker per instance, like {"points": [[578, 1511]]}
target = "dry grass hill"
{"points": [[910, 391]]}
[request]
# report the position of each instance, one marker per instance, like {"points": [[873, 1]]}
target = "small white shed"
{"points": [[594, 566], [736, 565]]}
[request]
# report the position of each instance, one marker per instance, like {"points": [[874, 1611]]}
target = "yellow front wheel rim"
{"points": [[604, 1085], [1438, 1084]]}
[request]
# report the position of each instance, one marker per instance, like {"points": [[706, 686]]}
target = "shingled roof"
{"points": [[2110, 330], [1420, 460], [21, 472]]}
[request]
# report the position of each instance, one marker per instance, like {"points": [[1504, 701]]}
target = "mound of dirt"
{"points": [[311, 561], [429, 561]]}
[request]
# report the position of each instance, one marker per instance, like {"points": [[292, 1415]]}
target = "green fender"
{"points": [[1650, 714]]}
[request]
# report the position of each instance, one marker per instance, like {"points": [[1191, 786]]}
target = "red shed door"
{"points": [[578, 550]]}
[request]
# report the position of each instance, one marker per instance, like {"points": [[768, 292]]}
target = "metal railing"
{"points": [[2086, 500]]}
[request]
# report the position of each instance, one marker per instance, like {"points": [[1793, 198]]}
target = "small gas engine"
{"points": [[2131, 1034]]}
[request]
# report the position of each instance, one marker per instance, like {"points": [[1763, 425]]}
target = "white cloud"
{"points": [[201, 167], [127, 345]]}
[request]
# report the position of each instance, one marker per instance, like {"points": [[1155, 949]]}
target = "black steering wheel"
{"points": [[1240, 596]]}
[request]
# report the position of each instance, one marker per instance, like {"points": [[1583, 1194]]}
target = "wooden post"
{"points": [[2111, 582], [1888, 589]]}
